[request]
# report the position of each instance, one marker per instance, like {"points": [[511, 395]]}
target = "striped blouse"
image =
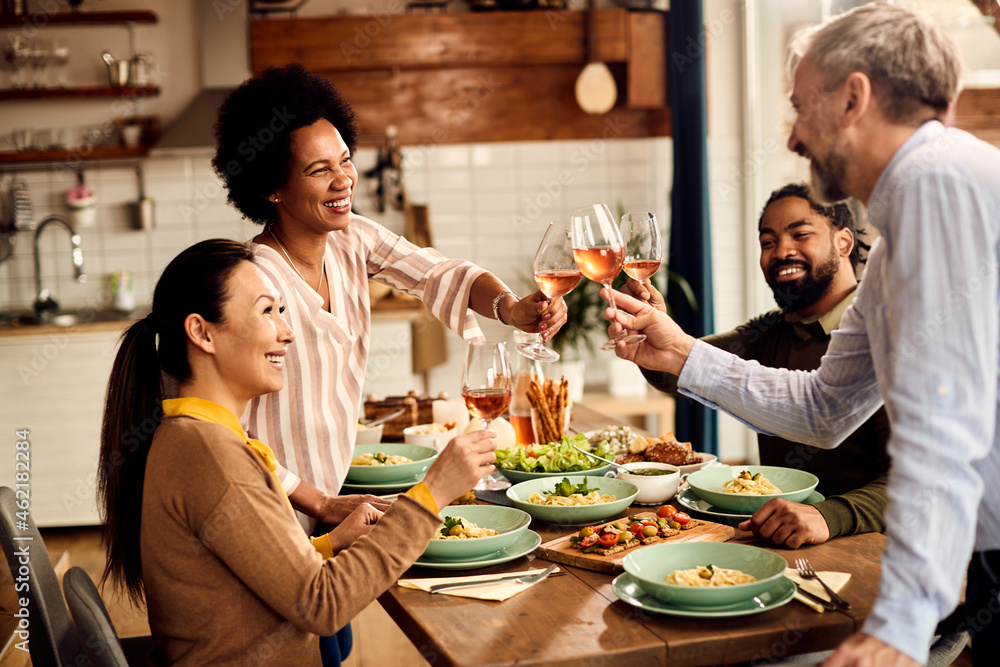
{"points": [[311, 423]]}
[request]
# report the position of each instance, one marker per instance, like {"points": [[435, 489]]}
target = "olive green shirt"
{"points": [[854, 475]]}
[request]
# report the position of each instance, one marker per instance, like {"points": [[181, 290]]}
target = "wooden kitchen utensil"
{"points": [[596, 91]]}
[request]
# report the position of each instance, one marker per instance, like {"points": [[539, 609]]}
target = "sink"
{"points": [[64, 318]]}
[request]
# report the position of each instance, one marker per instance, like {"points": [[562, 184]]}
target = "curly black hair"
{"points": [[254, 127], [839, 214]]}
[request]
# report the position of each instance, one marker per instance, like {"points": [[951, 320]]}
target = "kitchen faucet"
{"points": [[43, 298]]}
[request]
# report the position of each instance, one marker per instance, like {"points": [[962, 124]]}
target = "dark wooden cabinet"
{"points": [[480, 76]]}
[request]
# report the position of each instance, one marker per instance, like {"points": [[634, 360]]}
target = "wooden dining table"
{"points": [[577, 619]]}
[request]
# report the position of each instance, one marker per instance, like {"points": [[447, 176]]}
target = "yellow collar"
{"points": [[210, 411]]}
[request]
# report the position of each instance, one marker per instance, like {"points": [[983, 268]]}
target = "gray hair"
{"points": [[911, 63]]}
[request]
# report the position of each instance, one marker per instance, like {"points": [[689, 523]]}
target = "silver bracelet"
{"points": [[496, 304]]}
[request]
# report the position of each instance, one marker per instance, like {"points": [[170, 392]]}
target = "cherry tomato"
{"points": [[588, 541], [609, 539], [636, 528], [682, 518], [666, 511]]}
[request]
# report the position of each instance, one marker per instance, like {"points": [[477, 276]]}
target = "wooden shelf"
{"points": [[78, 18], [131, 92], [480, 76], [73, 155]]}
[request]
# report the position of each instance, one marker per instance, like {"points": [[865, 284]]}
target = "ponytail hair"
{"points": [[194, 282]]}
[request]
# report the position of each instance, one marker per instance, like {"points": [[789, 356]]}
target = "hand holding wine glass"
{"points": [[599, 253], [556, 275], [486, 387]]}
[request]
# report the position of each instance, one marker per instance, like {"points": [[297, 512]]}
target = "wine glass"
{"points": [[643, 251], [486, 387], [556, 275], [599, 252]]}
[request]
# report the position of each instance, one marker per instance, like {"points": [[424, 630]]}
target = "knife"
{"points": [[384, 418], [488, 582], [829, 606]]}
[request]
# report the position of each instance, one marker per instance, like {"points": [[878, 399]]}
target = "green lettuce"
{"points": [[555, 457]]}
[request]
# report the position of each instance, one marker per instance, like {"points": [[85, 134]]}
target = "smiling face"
{"points": [[320, 182], [251, 342], [800, 253], [815, 135]]}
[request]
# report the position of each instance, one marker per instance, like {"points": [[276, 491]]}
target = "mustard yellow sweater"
{"points": [[230, 577]]}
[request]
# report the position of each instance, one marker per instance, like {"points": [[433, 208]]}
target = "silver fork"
{"points": [[521, 579], [806, 571]]}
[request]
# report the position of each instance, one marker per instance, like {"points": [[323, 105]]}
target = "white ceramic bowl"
{"points": [[425, 435], [653, 489], [369, 436]]}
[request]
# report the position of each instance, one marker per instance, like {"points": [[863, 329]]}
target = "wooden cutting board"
{"points": [[560, 551]]}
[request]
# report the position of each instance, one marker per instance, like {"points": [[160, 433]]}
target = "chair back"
{"points": [[53, 638], [93, 625]]}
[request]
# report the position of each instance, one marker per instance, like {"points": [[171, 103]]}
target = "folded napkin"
{"points": [[487, 591], [835, 580]]}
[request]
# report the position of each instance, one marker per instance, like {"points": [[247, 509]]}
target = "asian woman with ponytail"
{"points": [[196, 521]]}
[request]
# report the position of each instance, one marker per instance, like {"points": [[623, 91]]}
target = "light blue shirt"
{"points": [[923, 336]]}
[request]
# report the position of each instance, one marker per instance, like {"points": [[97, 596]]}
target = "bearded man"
{"points": [[809, 254]]}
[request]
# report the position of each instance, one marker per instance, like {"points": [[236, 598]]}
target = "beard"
{"points": [[803, 293], [828, 175]]}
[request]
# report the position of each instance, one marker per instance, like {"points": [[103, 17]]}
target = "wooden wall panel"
{"points": [[496, 76], [487, 104], [978, 112], [436, 40], [647, 42]]}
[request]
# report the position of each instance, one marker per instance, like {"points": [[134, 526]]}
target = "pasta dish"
{"points": [[747, 484], [379, 459], [457, 528], [592, 498], [709, 575]]}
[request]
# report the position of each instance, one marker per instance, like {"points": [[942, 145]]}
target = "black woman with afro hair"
{"points": [[284, 144]]}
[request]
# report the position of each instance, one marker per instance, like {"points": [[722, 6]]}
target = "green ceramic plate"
{"points": [[691, 501], [507, 521], [652, 565], [522, 546], [795, 486], [421, 457], [627, 589], [624, 493], [379, 489]]}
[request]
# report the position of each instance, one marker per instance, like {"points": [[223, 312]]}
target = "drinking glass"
{"points": [[643, 251], [556, 275], [599, 252], [486, 386]]}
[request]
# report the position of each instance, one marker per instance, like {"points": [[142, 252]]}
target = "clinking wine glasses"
{"points": [[556, 275], [487, 382], [599, 253]]}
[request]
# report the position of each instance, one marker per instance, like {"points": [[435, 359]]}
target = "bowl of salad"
{"points": [[384, 463], [572, 500], [474, 531], [555, 459]]}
